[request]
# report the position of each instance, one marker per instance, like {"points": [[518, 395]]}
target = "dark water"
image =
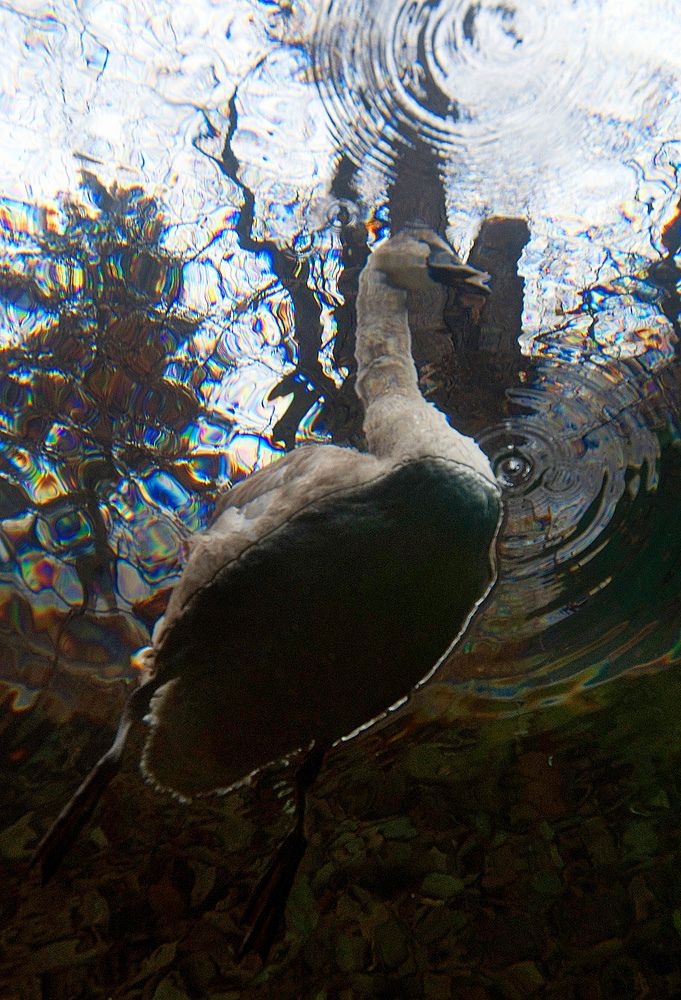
{"points": [[514, 831]]}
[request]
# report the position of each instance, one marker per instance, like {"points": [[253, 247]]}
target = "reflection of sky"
{"points": [[568, 114]]}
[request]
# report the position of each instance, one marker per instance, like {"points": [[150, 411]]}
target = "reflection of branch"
{"points": [[17, 289], [308, 382], [343, 414]]}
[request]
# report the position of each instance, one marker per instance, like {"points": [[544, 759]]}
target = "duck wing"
{"points": [[260, 504], [311, 470]]}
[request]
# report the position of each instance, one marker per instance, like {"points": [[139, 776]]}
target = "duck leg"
{"points": [[265, 909], [62, 834]]}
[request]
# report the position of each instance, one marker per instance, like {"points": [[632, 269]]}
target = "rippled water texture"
{"points": [[179, 188]]}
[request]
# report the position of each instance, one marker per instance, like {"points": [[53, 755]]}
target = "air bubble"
{"points": [[512, 469], [342, 212]]}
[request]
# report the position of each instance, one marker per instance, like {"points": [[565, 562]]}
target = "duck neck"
{"points": [[395, 413], [385, 366]]}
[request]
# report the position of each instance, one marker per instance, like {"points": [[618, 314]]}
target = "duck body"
{"points": [[329, 584], [332, 582], [322, 625]]}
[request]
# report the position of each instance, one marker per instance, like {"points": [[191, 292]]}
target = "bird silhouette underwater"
{"points": [[328, 586]]}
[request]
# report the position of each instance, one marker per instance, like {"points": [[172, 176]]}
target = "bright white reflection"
{"points": [[563, 112]]}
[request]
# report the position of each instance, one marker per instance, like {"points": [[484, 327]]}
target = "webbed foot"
{"points": [[52, 849], [264, 914]]}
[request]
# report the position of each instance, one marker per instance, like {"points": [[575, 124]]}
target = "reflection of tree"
{"points": [[86, 397]]}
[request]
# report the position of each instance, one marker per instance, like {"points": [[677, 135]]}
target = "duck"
{"points": [[328, 586]]}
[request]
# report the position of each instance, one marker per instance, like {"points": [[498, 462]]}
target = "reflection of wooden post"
{"points": [[497, 250], [343, 414], [417, 196], [487, 351], [417, 193]]}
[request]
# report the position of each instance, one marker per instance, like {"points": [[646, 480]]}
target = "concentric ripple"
{"points": [[455, 72], [564, 467], [588, 469]]}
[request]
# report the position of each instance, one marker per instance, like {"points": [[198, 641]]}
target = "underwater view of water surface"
{"points": [[188, 195]]}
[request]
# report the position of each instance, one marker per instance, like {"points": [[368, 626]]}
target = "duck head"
{"points": [[417, 257]]}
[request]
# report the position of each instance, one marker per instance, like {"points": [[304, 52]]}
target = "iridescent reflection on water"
{"points": [[180, 183]]}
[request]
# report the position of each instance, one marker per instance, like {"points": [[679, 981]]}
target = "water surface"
{"points": [[188, 194]]}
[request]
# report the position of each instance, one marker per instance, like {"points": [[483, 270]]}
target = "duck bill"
{"points": [[444, 266]]}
